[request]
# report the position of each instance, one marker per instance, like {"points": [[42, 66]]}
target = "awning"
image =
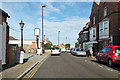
{"points": [[91, 42]]}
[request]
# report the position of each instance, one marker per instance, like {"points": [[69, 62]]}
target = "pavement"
{"points": [[31, 60]]}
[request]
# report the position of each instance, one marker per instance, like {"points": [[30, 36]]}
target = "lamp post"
{"points": [[58, 37], [21, 55], [21, 25], [42, 29]]}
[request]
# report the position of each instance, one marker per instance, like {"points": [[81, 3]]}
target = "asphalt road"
{"points": [[69, 66]]}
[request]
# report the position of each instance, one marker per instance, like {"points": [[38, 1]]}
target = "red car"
{"points": [[110, 55]]}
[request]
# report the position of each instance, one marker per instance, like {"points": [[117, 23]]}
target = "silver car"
{"points": [[80, 52]]}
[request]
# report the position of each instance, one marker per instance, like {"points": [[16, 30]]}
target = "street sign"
{"points": [[37, 31]]}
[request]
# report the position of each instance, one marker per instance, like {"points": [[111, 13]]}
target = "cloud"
{"points": [[68, 28], [48, 9]]}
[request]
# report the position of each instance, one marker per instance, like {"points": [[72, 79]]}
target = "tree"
{"points": [[47, 46], [67, 45], [76, 44]]}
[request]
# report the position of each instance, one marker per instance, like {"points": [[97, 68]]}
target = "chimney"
{"points": [[46, 39]]}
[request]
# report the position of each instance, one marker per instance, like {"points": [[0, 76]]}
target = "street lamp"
{"points": [[42, 29], [58, 37], [21, 55], [21, 25]]}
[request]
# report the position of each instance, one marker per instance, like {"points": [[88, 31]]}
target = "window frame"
{"points": [[105, 12]]}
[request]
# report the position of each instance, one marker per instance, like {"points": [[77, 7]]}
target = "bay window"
{"points": [[104, 29]]}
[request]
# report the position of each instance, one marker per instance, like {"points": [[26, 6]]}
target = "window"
{"points": [[103, 50], [106, 26], [94, 32], [104, 29], [85, 36], [91, 34], [101, 29], [94, 20], [105, 12], [108, 49]]}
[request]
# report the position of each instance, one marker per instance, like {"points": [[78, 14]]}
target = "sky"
{"points": [[67, 17]]}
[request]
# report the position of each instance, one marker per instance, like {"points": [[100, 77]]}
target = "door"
{"points": [[106, 54], [102, 52]]}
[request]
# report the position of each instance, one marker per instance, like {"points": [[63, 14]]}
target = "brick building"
{"points": [[104, 28], [109, 24]]}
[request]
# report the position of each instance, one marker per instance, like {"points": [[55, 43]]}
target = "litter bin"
{"points": [[20, 57]]}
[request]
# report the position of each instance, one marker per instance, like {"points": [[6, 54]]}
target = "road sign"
{"points": [[37, 31]]}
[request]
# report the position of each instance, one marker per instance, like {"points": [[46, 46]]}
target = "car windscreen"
{"points": [[57, 48], [117, 50], [53, 48], [77, 49]]}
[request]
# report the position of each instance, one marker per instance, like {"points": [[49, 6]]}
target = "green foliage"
{"points": [[47, 46], [76, 44], [67, 45]]}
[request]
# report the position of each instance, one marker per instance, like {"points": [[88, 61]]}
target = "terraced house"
{"points": [[104, 28]]}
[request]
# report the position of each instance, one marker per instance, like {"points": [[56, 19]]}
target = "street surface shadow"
{"points": [[53, 55], [25, 60], [115, 67]]}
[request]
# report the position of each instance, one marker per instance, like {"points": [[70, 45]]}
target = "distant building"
{"points": [[28, 45], [47, 41]]}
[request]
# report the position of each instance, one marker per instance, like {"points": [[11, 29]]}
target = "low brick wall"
{"points": [[29, 49], [12, 56]]}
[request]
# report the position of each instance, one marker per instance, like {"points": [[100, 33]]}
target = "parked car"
{"points": [[79, 52], [110, 55], [55, 51], [68, 50], [72, 50], [63, 50]]}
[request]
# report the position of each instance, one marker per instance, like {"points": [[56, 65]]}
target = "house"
{"points": [[109, 24], [47, 41], [104, 27], [84, 37], [93, 28], [4, 37]]}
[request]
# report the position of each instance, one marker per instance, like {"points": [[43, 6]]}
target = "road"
{"points": [[69, 66]]}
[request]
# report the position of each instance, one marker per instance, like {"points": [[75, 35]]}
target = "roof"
{"points": [[3, 13], [12, 38]]}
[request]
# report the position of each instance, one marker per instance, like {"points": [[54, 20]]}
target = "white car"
{"points": [[55, 50], [72, 50], [79, 52]]}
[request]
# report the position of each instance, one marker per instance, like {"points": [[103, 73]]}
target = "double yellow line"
{"points": [[36, 69]]}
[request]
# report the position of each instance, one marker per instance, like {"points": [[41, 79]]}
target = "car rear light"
{"points": [[51, 51], [113, 51], [59, 50]]}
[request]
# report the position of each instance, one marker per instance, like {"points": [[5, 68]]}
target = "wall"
{"points": [[3, 42]]}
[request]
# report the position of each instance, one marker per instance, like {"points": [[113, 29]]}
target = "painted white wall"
{"points": [[0, 42], [3, 30], [24, 42]]}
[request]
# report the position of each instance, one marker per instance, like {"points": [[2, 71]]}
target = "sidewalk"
{"points": [[20, 69]]}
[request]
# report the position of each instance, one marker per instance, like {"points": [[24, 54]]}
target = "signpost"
{"points": [[37, 33]]}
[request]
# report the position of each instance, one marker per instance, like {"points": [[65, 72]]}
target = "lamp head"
{"points": [[21, 24]]}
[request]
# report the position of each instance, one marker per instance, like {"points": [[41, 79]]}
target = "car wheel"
{"points": [[110, 63], [97, 59]]}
